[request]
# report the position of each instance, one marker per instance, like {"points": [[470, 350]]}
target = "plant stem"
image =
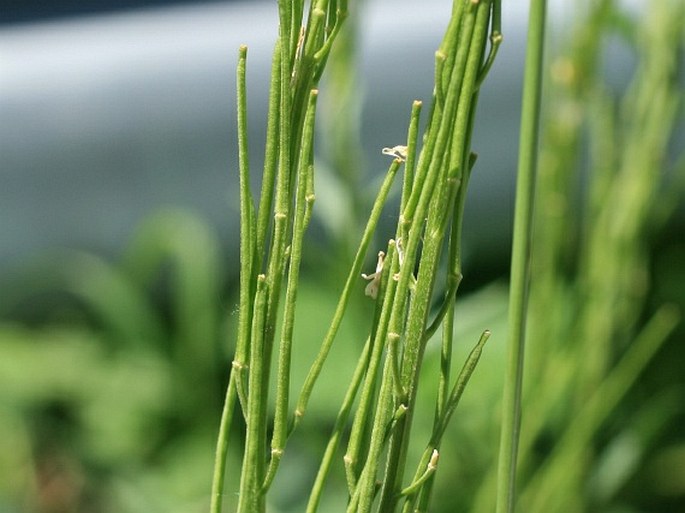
{"points": [[352, 277], [340, 423], [362, 417], [251, 499], [518, 295], [303, 205], [222, 447], [442, 419], [247, 250], [270, 160], [287, 194], [447, 169]]}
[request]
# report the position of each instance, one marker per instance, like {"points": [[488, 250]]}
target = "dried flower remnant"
{"points": [[399, 152], [371, 289]]}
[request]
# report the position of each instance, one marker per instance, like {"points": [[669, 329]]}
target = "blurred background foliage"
{"points": [[113, 370]]}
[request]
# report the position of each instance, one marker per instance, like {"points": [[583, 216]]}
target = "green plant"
{"points": [[111, 374], [520, 269], [436, 175], [592, 334]]}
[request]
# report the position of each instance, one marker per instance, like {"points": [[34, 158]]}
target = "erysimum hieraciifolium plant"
{"points": [[408, 277]]}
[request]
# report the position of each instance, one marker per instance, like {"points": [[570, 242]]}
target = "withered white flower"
{"points": [[371, 289], [399, 152]]}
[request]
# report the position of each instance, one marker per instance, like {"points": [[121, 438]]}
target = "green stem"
{"points": [[511, 409], [460, 386], [251, 499], [362, 419], [340, 423], [362, 499], [454, 275], [453, 136], [352, 278], [247, 249], [418, 483], [442, 420], [412, 145], [448, 406], [222, 447], [289, 149], [270, 159], [303, 203]]}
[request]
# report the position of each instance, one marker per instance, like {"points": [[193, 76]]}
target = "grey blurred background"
{"points": [[109, 113]]}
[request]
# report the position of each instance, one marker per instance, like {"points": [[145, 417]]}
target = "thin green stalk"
{"points": [[473, 35], [362, 417], [454, 275], [432, 198], [460, 386], [394, 357], [303, 204], [496, 39], [247, 230], [430, 160], [247, 248], [302, 73], [288, 28], [322, 54], [352, 278], [525, 189], [362, 499], [270, 159], [222, 447], [362, 420], [253, 471], [282, 219], [418, 483], [416, 209], [360, 423], [340, 424], [296, 12], [251, 499], [450, 405], [548, 355], [268, 295], [412, 145], [445, 359], [448, 51], [297, 65]]}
